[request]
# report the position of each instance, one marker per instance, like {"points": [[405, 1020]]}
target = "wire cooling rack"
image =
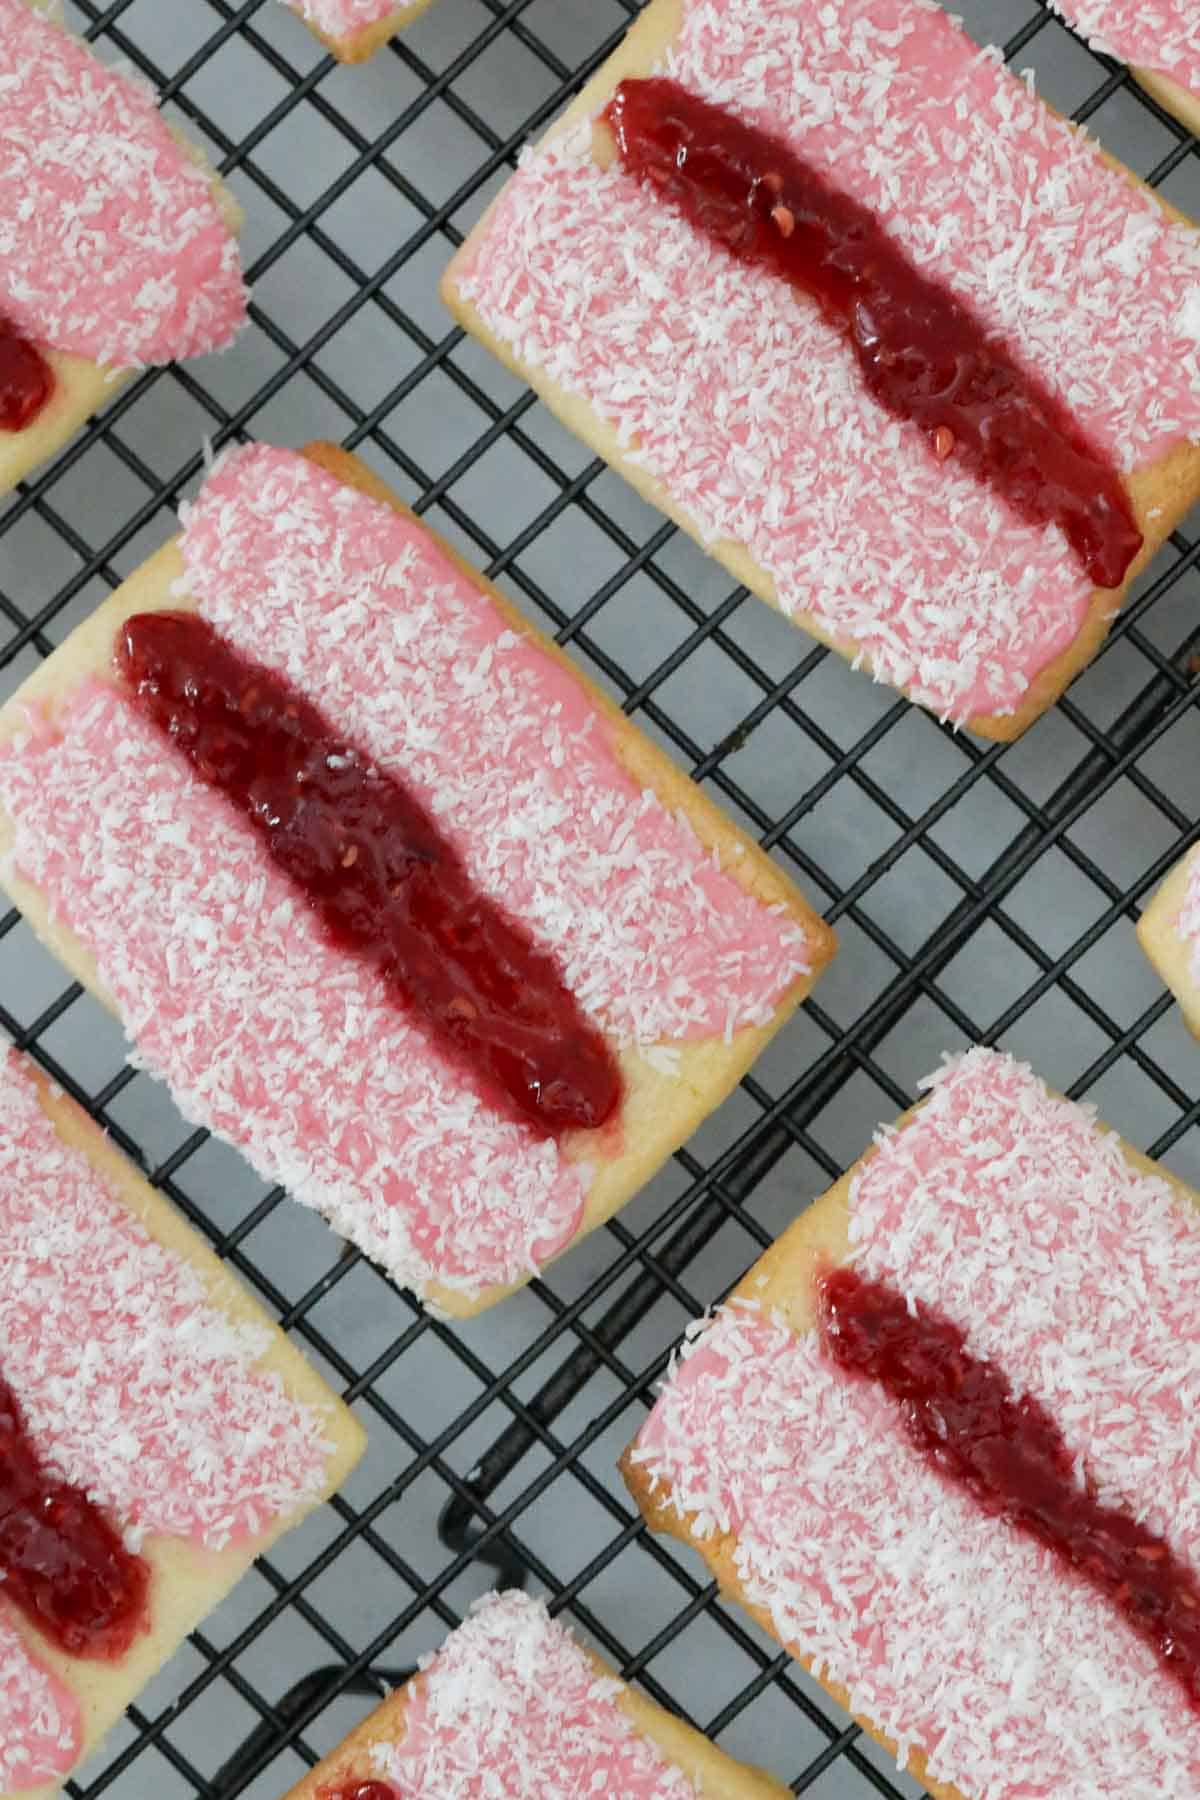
{"points": [[981, 894]]}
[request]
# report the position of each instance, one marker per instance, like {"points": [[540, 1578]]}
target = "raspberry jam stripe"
{"points": [[63, 1564], [370, 862], [26, 379], [1008, 1454], [921, 353], [360, 1790]]}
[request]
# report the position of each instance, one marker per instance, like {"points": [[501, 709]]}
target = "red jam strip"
{"points": [[1010, 1457], [26, 380], [63, 1564], [360, 1790], [923, 355], [375, 869]]}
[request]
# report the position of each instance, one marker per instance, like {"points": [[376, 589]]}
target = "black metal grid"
{"points": [[982, 894]]}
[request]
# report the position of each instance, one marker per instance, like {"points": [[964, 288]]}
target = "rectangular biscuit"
{"points": [[127, 1344], [727, 402], [1168, 931], [84, 383], [512, 1698], [1071, 1263], [679, 932], [353, 32]]}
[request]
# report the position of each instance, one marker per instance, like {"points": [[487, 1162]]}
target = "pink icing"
{"points": [[112, 245], [1013, 1213], [132, 1383], [1161, 35], [345, 18], [41, 1723], [510, 1708], [272, 1038], [749, 409]]}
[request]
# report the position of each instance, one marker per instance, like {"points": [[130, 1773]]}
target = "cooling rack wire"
{"points": [[981, 894]]}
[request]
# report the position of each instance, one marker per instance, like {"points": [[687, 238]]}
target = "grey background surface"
{"points": [[355, 184]]}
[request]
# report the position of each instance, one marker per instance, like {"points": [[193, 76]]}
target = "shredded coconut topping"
{"points": [[356, 606], [134, 1386], [510, 1708], [734, 393], [112, 245], [1014, 1214], [343, 18], [41, 1725], [1160, 35]]}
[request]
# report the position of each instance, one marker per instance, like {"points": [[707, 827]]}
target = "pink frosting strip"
{"points": [[112, 245], [734, 393], [132, 1383], [355, 605], [345, 18], [510, 1708], [1011, 1212], [41, 1722], [1161, 35]]}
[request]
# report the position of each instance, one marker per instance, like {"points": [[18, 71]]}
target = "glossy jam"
{"points": [[1009, 1455], [372, 864], [360, 1790], [26, 380], [923, 355], [63, 1564]]}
